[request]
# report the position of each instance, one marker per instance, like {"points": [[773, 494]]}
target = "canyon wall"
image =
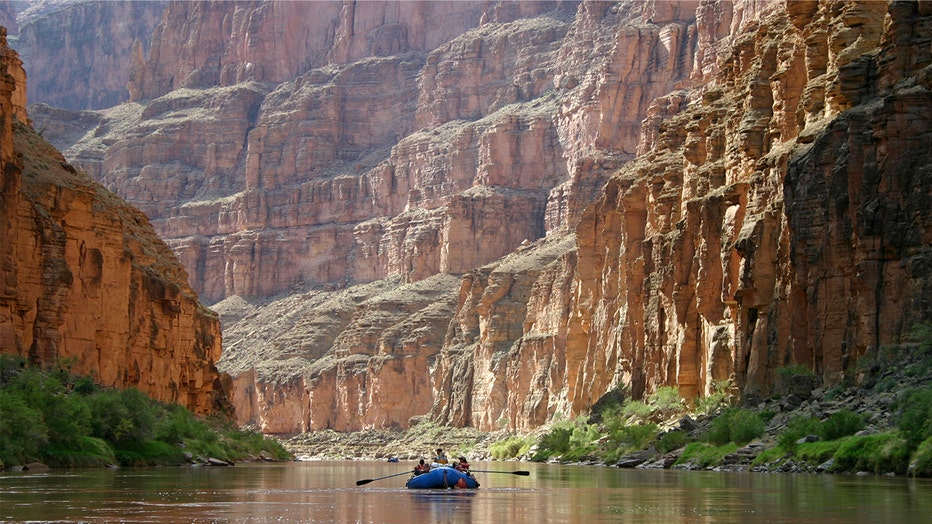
{"points": [[85, 279], [79, 54], [777, 215], [494, 213]]}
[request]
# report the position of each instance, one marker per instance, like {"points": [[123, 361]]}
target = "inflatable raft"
{"points": [[442, 477]]}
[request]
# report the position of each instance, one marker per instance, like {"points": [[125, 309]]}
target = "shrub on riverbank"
{"points": [[704, 454], [735, 425], [64, 420], [511, 447], [848, 428]]}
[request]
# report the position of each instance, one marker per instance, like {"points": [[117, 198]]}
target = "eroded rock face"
{"points": [[356, 358], [83, 276], [683, 193], [79, 54], [763, 224], [271, 180]]}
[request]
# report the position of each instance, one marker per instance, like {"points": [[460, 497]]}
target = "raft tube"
{"points": [[441, 478]]}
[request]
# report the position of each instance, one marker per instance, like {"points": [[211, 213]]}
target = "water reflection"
{"points": [[442, 506], [326, 492]]}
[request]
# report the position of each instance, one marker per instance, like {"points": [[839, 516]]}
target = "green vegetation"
{"points": [[882, 453], [672, 440], [907, 448], [841, 424], [793, 370], [704, 454], [512, 447], [736, 425], [817, 452], [796, 429], [64, 420], [623, 427], [921, 463], [620, 426], [722, 392]]}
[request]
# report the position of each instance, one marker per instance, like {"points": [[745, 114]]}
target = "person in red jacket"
{"points": [[421, 468], [462, 465]]}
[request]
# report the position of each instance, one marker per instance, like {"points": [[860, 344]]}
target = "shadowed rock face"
{"points": [[85, 278], [78, 54], [495, 213]]}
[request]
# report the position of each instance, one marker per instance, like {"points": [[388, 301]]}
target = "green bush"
{"points": [[666, 402], [841, 424], [638, 436], [818, 452], [636, 409], [582, 442], [672, 440], [64, 420], [705, 455], [627, 439], [773, 455], [883, 453], [735, 425], [921, 463], [149, 453], [554, 443], [82, 452], [797, 428], [719, 398], [914, 415], [511, 447], [176, 425], [244, 443], [67, 418], [571, 441], [23, 431], [794, 370]]}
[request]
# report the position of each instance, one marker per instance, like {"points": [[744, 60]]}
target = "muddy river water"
{"points": [[327, 492]]}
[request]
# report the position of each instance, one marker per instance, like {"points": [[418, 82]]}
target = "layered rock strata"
{"points": [[777, 215], [85, 280], [79, 54], [595, 196]]}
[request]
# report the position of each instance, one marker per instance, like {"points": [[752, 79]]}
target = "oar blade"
{"points": [[521, 473], [366, 481]]}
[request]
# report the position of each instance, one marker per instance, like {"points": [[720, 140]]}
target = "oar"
{"points": [[521, 473], [366, 481]]}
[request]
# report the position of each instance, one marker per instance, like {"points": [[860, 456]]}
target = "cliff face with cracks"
{"points": [[78, 54], [690, 192], [774, 216], [85, 278]]}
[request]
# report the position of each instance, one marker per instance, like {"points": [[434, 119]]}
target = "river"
{"points": [[327, 492]]}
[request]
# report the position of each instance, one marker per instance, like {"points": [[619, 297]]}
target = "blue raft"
{"points": [[442, 477]]}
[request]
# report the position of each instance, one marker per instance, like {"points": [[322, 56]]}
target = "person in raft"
{"points": [[421, 468], [441, 458], [461, 465]]}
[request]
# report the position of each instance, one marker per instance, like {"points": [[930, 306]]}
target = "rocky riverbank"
{"points": [[872, 397], [418, 442]]}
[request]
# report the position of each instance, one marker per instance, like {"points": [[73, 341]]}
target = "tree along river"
{"points": [[327, 492]]}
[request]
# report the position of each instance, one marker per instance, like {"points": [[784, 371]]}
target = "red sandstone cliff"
{"points": [[78, 53], [495, 213], [775, 215], [83, 275]]}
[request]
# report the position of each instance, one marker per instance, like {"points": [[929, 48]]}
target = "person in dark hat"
{"points": [[462, 465]]}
